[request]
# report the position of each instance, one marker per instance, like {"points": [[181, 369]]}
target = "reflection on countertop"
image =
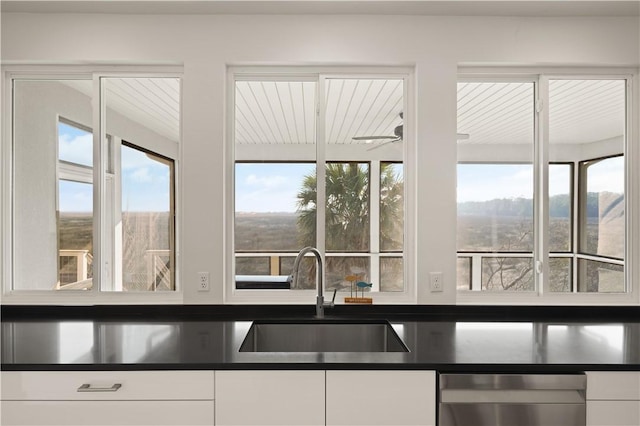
{"points": [[442, 345]]}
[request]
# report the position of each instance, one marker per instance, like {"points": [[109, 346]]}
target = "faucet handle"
{"points": [[333, 299]]}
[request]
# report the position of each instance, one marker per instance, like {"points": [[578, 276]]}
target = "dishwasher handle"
{"points": [[460, 396]]}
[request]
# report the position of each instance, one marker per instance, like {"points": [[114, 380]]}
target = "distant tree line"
{"points": [[559, 206]]}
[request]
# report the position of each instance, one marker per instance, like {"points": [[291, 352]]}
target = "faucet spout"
{"points": [[320, 303]]}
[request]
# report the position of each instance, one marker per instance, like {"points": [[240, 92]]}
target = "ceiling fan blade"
{"points": [[372, 138]]}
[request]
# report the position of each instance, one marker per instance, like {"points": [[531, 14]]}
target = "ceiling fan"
{"points": [[397, 136]]}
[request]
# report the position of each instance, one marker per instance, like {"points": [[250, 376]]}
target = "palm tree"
{"points": [[347, 212]]}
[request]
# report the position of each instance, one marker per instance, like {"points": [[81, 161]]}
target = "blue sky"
{"points": [[145, 181], [269, 187], [477, 182], [273, 187]]}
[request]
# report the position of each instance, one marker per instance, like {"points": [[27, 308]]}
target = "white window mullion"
{"points": [[101, 273], [476, 272], [98, 252], [575, 225], [374, 223], [632, 203], [321, 162], [115, 207], [74, 172], [541, 186]]}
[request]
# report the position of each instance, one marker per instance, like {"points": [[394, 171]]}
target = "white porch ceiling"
{"points": [[152, 102], [583, 111], [580, 111], [284, 112], [496, 113]]}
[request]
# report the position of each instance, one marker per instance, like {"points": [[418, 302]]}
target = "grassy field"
{"points": [[277, 232]]}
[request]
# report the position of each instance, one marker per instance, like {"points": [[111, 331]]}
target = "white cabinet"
{"points": [[395, 397], [613, 398], [107, 398], [256, 397], [342, 398], [261, 397]]}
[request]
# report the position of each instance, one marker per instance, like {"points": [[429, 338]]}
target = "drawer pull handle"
{"points": [[87, 388]]}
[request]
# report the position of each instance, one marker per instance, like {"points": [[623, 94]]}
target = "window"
{"points": [[561, 222], [498, 199], [587, 127], [391, 226], [495, 186], [75, 206], [110, 221], [146, 220], [602, 236], [291, 157], [268, 226]]}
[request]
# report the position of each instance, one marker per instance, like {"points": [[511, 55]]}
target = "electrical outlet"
{"points": [[435, 280], [203, 281]]}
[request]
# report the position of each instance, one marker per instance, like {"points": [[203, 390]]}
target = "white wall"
{"points": [[207, 44]]}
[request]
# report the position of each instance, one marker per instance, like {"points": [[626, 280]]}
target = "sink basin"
{"points": [[322, 336]]}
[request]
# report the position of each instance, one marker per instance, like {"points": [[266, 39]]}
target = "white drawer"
{"points": [[613, 413], [613, 385], [89, 413], [134, 385]]}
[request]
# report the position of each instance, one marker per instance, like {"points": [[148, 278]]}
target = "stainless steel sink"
{"points": [[322, 336]]}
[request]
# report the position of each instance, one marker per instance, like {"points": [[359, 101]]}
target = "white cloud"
{"points": [[78, 149], [267, 182]]}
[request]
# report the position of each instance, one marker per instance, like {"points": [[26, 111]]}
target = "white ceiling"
{"points": [[284, 112], [583, 111], [496, 113], [359, 7], [275, 112], [580, 111], [152, 102]]}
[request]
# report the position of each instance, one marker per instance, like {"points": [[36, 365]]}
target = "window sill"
{"points": [[531, 298], [87, 298], [304, 297]]}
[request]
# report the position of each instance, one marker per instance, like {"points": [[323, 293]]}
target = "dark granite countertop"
{"points": [[444, 344]]}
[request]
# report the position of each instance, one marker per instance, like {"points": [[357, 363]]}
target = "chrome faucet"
{"points": [[320, 303]]}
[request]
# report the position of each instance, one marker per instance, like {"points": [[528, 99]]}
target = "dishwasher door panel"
{"points": [[500, 414], [512, 400]]}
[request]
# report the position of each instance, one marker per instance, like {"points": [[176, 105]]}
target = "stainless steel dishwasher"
{"points": [[512, 400]]}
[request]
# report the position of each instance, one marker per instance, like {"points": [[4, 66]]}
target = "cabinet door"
{"points": [[88, 413], [269, 398], [395, 397], [613, 413]]}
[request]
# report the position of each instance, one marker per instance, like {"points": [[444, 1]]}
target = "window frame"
{"points": [[542, 295], [580, 254], [101, 143], [321, 75], [117, 174]]}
